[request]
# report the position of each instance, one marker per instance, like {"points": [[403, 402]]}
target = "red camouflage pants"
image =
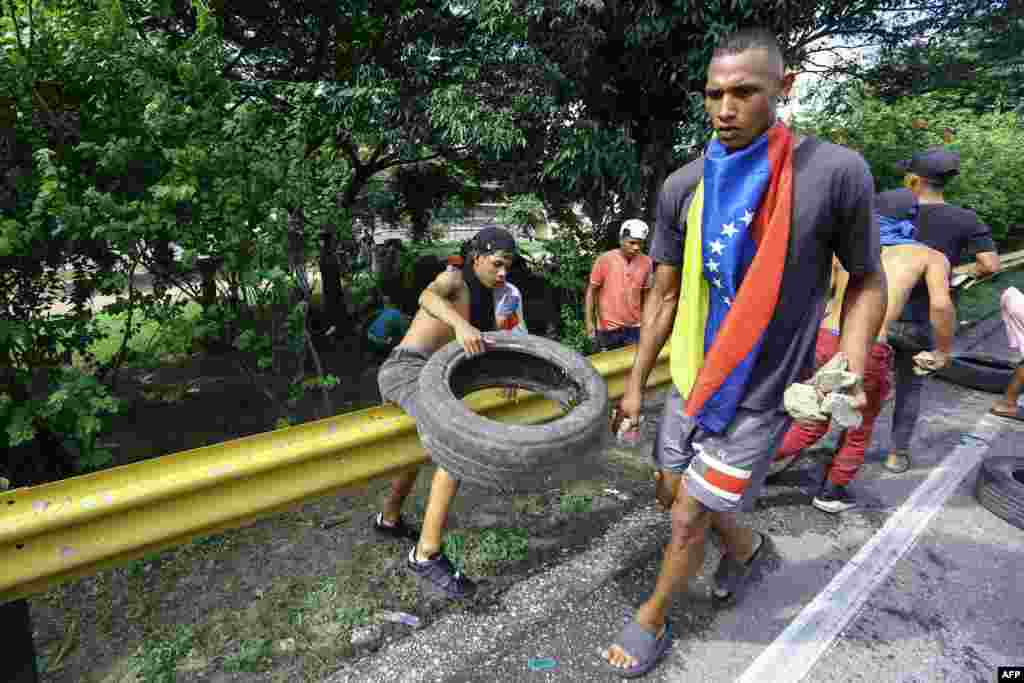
{"points": [[877, 383]]}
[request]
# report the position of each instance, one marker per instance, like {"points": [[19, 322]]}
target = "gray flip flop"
{"points": [[643, 646], [901, 462], [732, 575]]}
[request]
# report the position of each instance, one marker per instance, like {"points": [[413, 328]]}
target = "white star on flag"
{"points": [[729, 229], [728, 301], [718, 282], [718, 246], [747, 217], [712, 266]]}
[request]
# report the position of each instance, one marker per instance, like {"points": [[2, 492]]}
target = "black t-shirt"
{"points": [[953, 231], [833, 213]]}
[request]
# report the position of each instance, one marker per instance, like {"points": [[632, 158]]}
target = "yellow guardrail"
{"points": [[61, 531]]}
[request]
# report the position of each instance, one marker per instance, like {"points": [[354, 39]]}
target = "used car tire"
{"points": [[978, 371], [508, 457], [1000, 488]]}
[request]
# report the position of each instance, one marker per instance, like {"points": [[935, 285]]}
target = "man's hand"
{"points": [[927, 362], [627, 415], [470, 338]]}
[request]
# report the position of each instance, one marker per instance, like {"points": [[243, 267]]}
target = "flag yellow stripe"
{"points": [[687, 356]]}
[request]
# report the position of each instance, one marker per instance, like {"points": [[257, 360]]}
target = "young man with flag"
{"points": [[743, 243]]}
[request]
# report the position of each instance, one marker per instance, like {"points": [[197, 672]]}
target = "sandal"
{"points": [[399, 529], [642, 645], [897, 462], [731, 576]]}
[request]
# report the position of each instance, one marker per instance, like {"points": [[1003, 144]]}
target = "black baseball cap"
{"points": [[493, 239], [934, 162]]}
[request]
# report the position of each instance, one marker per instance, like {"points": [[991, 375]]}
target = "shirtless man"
{"points": [[905, 265], [458, 304]]}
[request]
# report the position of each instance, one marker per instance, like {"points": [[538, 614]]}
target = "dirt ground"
{"points": [[292, 596]]}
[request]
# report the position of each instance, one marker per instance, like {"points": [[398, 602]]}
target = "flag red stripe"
{"points": [[725, 481]]}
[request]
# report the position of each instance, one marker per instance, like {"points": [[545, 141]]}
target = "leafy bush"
{"points": [[989, 145]]}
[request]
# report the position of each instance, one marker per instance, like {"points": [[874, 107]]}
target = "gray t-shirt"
{"points": [[833, 213]]}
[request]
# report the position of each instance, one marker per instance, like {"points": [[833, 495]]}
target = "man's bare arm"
{"points": [[942, 311], [656, 326], [437, 300], [588, 307], [864, 307]]}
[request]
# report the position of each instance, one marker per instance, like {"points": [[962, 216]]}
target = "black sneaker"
{"points": [[440, 573], [834, 499], [399, 529]]}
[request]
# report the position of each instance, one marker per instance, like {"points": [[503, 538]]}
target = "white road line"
{"points": [[791, 656]]}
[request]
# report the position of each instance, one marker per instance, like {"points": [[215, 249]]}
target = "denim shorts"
{"points": [[723, 471]]}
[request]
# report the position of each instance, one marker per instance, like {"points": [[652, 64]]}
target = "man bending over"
{"points": [[458, 304], [905, 265]]}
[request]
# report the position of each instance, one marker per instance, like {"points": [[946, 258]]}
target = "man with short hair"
{"points": [[459, 304], [619, 281], [949, 229], [905, 264], [743, 243]]}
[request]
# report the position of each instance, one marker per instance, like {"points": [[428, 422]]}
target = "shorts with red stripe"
{"points": [[723, 471]]}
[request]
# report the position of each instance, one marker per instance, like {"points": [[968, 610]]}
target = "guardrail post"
{"points": [[21, 651]]}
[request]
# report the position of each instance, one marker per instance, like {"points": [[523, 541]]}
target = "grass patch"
{"points": [[455, 549], [250, 656], [212, 542], [137, 568], [353, 616], [157, 659], [504, 545], [573, 504], [532, 504]]}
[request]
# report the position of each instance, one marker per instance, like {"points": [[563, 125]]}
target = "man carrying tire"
{"points": [[744, 242], [946, 228], [459, 304], [619, 281]]}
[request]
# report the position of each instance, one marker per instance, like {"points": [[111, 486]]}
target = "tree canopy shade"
{"points": [[626, 78], [973, 51]]}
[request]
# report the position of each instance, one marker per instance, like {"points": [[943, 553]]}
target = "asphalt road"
{"points": [[939, 602]]}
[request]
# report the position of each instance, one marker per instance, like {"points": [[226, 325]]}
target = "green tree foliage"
{"points": [[973, 51], [625, 79], [991, 173]]}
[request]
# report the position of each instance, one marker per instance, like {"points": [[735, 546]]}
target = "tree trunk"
{"points": [[420, 226], [289, 355], [658, 157], [332, 300], [208, 268], [163, 257]]}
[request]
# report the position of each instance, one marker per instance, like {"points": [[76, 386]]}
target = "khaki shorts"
{"points": [[723, 471], [399, 378]]}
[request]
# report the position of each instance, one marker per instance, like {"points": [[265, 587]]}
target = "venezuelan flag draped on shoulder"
{"points": [[734, 254]]}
